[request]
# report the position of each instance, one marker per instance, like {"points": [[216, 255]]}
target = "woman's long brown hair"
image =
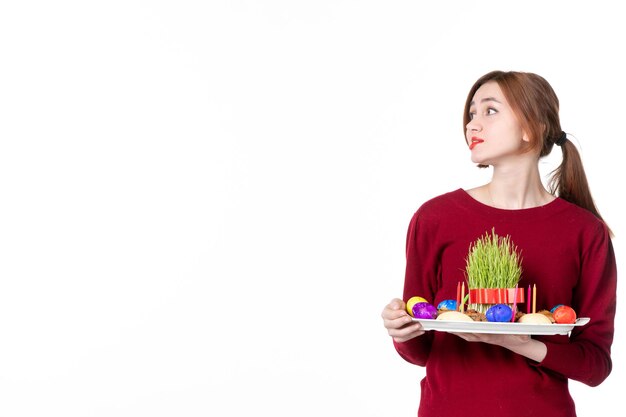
{"points": [[536, 107]]}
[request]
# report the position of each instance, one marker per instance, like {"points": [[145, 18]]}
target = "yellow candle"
{"points": [[534, 298], [462, 296]]}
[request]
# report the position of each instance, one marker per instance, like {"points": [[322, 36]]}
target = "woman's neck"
{"points": [[512, 190]]}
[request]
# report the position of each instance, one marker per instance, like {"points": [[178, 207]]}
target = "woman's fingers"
{"points": [[407, 332], [398, 323], [389, 314], [395, 309]]}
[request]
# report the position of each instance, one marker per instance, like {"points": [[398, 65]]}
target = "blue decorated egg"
{"points": [[447, 305], [499, 313], [555, 307]]}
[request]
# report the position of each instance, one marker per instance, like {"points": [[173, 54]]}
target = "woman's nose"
{"points": [[473, 126]]}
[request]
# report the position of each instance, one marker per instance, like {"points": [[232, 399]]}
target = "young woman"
{"points": [[511, 120]]}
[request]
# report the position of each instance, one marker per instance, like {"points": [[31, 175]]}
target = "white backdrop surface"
{"points": [[203, 205]]}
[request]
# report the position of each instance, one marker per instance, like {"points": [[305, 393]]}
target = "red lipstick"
{"points": [[475, 141]]}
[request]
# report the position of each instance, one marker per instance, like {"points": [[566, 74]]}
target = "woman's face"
{"points": [[493, 133]]}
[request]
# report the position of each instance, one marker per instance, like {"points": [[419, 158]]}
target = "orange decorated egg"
{"points": [[564, 315]]}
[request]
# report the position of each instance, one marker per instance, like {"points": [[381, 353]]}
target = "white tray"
{"points": [[500, 328]]}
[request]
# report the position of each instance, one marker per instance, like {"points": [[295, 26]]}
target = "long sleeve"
{"points": [[587, 356], [420, 279]]}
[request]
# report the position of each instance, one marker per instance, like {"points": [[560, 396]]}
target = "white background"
{"points": [[203, 204]]}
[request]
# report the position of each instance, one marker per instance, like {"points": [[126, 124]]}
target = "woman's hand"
{"points": [[505, 340], [398, 323], [521, 344]]}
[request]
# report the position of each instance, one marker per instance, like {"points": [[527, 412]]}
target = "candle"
{"points": [[514, 303], [462, 295], [528, 300], [534, 298]]}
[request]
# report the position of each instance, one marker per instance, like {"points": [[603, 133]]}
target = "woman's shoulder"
{"points": [[445, 198], [576, 216], [442, 204]]}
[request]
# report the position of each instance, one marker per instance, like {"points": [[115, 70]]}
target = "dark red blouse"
{"points": [[566, 252]]}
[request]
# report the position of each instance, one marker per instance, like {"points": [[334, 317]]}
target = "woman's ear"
{"points": [[526, 136]]}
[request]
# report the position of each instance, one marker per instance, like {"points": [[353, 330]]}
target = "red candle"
{"points": [[458, 296], [528, 301]]}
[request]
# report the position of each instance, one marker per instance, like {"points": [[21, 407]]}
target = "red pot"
{"points": [[495, 295]]}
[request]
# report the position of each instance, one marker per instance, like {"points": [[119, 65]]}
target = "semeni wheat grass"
{"points": [[493, 262]]}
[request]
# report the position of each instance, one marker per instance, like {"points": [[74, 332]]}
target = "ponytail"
{"points": [[569, 181]]}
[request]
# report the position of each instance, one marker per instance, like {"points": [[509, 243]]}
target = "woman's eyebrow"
{"points": [[486, 99]]}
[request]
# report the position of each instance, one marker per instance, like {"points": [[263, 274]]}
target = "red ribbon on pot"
{"points": [[495, 295]]}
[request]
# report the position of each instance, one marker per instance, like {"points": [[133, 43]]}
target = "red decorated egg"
{"points": [[564, 315]]}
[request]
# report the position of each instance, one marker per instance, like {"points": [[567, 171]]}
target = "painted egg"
{"points": [[564, 315], [453, 316], [424, 311], [499, 313], [534, 318], [555, 307], [412, 301], [447, 305]]}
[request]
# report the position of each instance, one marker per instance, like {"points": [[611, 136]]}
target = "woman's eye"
{"points": [[471, 115], [491, 110]]}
